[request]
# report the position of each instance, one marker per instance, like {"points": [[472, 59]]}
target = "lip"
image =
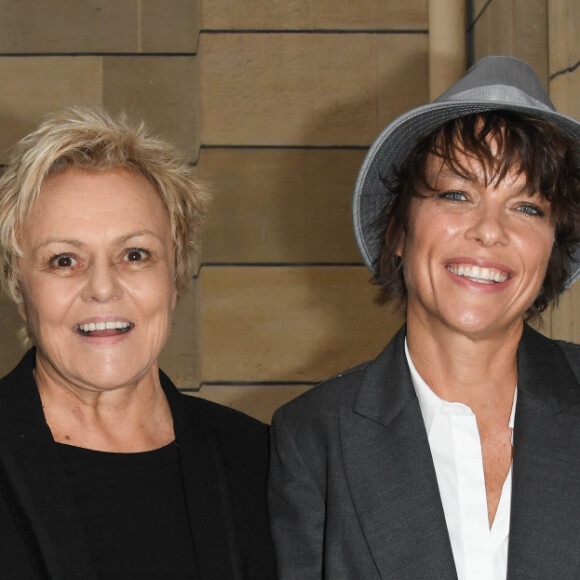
{"points": [[96, 319], [103, 337], [480, 263]]}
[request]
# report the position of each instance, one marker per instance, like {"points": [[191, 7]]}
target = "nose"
{"points": [[102, 282], [488, 227]]}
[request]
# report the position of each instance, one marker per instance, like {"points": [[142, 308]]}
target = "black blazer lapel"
{"points": [[210, 515], [35, 483], [545, 513], [390, 473]]}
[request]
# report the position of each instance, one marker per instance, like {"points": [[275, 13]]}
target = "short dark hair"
{"points": [[549, 160]]}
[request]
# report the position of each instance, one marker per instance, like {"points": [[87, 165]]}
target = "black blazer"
{"points": [[353, 491], [224, 463]]}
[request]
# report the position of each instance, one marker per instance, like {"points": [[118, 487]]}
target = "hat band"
{"points": [[497, 93]]}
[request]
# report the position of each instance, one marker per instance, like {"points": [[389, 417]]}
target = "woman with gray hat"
{"points": [[455, 454]]}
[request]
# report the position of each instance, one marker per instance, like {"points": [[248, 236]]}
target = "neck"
{"points": [[128, 418], [479, 371]]}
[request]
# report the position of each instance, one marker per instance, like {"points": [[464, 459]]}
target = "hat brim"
{"points": [[394, 144]]}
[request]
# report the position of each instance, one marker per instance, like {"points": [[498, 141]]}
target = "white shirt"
{"points": [[480, 553]]}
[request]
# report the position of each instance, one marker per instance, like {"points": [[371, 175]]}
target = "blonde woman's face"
{"points": [[98, 278]]}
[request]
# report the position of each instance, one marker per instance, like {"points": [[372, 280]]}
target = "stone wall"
{"points": [[275, 103]]}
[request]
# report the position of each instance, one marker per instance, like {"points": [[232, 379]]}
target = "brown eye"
{"points": [[136, 255], [64, 261]]}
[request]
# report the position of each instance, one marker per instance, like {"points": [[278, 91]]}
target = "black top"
{"points": [[224, 459], [132, 507]]}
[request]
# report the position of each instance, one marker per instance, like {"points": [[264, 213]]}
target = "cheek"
{"points": [[541, 250], [155, 293]]}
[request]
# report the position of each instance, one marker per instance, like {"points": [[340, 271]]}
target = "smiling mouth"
{"points": [[101, 329], [478, 274]]}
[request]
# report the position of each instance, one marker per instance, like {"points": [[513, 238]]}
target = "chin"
{"points": [[476, 325]]}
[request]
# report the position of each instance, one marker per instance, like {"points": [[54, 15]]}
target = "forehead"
{"points": [[91, 204], [464, 166]]}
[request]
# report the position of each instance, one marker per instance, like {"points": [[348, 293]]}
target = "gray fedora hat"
{"points": [[493, 83]]}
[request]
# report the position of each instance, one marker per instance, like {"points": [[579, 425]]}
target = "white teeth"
{"points": [[92, 326], [477, 274]]}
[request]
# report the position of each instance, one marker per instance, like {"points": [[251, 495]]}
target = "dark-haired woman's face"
{"points": [[476, 253]]}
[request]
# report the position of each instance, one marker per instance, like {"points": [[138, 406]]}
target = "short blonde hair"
{"points": [[92, 140]]}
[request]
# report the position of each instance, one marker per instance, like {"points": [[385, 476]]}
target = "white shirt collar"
{"points": [[431, 404]]}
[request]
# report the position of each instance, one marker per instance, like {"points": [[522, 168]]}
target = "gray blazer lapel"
{"points": [[390, 474], [545, 515]]}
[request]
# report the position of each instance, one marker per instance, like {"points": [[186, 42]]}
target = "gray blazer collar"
{"points": [[390, 473], [392, 480], [386, 388], [545, 511]]}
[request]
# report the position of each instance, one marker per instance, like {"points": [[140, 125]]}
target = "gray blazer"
{"points": [[353, 492]]}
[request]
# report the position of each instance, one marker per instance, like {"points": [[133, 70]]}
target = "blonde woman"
{"points": [[106, 470]]}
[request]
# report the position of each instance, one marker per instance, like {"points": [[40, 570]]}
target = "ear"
{"points": [[22, 311], [400, 246], [395, 238]]}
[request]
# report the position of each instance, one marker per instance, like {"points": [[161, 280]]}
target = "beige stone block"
{"points": [[170, 26], [65, 26], [564, 91], [289, 324], [161, 90], [12, 348], [290, 89], [319, 15], [565, 321], [517, 28], [258, 401], [531, 35], [480, 35], [256, 15], [563, 25], [403, 82], [500, 27], [180, 357], [371, 14], [478, 7], [36, 86], [280, 205]]}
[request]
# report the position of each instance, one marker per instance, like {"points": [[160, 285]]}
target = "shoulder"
{"points": [[375, 381], [215, 416], [549, 351], [328, 396], [572, 353], [199, 418], [312, 420], [18, 392], [22, 371]]}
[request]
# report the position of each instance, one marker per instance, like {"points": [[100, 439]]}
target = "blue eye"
{"points": [[453, 196], [530, 209]]}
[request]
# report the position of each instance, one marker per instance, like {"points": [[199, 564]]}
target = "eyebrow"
{"points": [[120, 239], [449, 172]]}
